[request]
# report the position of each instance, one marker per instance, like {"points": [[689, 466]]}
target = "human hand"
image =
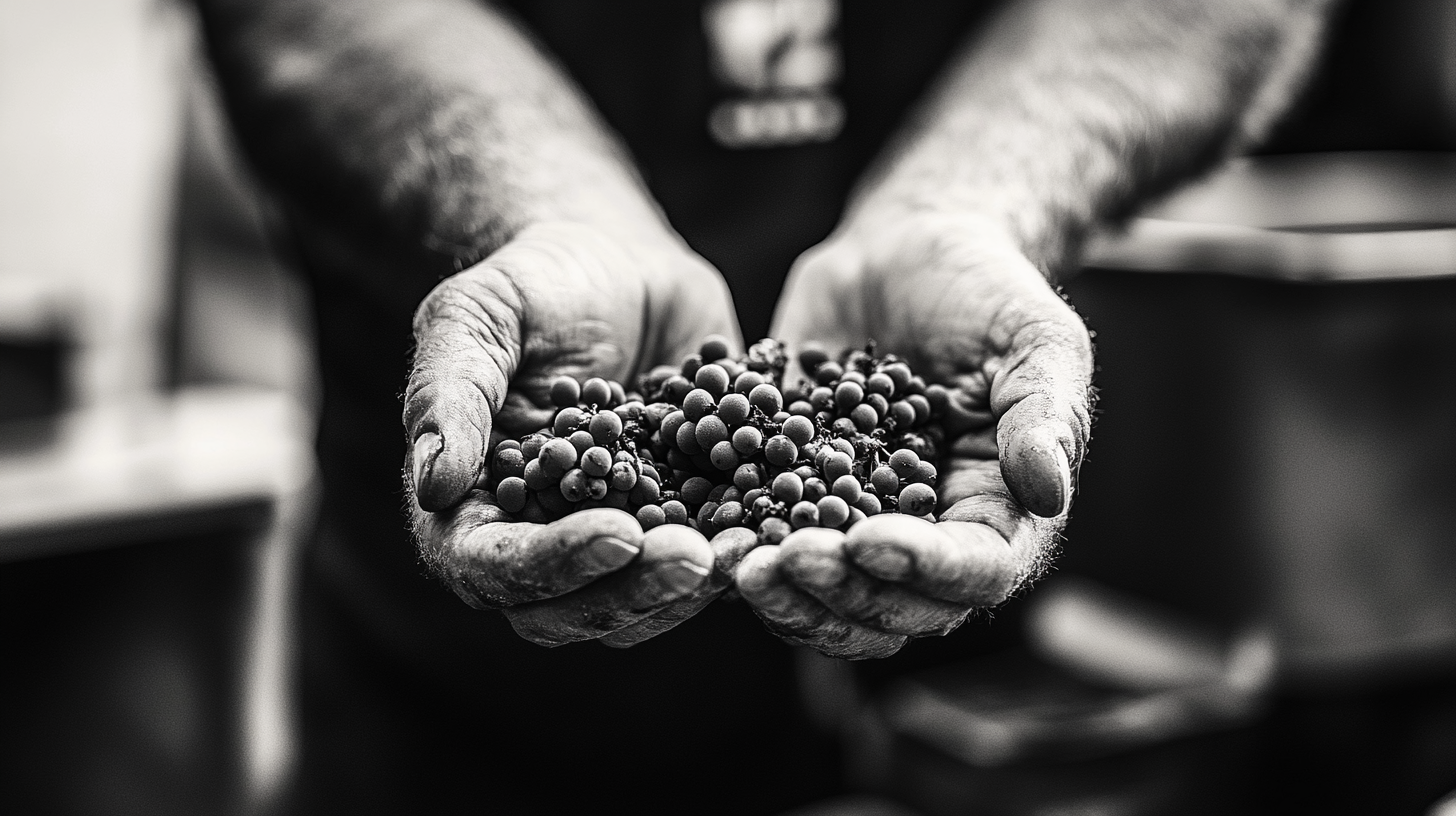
{"points": [[958, 301], [559, 299]]}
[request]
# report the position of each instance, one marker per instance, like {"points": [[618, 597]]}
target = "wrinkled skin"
{"points": [[557, 299], [964, 307]]}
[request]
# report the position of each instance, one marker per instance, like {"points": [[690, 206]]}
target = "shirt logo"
{"points": [[780, 60]]}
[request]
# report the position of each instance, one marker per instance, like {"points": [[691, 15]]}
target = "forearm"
{"points": [[1067, 113], [427, 126]]}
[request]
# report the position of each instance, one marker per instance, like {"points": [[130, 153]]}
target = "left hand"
{"points": [[957, 300]]}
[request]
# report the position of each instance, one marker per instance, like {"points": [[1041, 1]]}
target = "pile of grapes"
{"points": [[720, 442]]}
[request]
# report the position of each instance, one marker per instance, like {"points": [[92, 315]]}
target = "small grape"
{"points": [[811, 357], [804, 514], [799, 429], [837, 464], [675, 512], [767, 399], [531, 447], [574, 485], [847, 395], [676, 387], [880, 383], [687, 438], [618, 394], [921, 406], [698, 404], [833, 511], [917, 499], [903, 414], [557, 457], [788, 488], [864, 417], [581, 440], [723, 456], [844, 426], [885, 480], [747, 477], [746, 382], [710, 431], [567, 420], [671, 423], [868, 503], [596, 461], [713, 379], [650, 515], [565, 392], [696, 489], [828, 373], [801, 408], [733, 409], [511, 495], [595, 391], [815, 489], [733, 494], [746, 440], [646, 491], [691, 364], [939, 398], [535, 476], [728, 514], [899, 375], [773, 530], [715, 347], [623, 476], [844, 446], [509, 462], [925, 473], [879, 403], [605, 427], [904, 462], [780, 451], [846, 487]]}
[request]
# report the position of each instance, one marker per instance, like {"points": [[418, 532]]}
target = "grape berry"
{"points": [[718, 443]]}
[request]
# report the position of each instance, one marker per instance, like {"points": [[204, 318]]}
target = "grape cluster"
{"points": [[719, 442]]}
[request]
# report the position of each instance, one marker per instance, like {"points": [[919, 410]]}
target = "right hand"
{"points": [[558, 299]]}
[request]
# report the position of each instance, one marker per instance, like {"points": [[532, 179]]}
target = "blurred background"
{"points": [[1256, 609]]}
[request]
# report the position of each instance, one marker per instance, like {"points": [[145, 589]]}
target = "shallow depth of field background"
{"points": [[1259, 581]]}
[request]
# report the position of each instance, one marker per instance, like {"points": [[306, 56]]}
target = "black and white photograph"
{"points": [[728, 407]]}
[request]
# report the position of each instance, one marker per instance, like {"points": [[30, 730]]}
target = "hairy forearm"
{"points": [[1067, 113], [424, 126]]}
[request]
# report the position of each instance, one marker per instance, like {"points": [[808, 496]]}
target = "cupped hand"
{"points": [[956, 299], [558, 299]]}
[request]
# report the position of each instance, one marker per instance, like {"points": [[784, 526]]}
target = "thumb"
{"points": [[1042, 400], [467, 346]]}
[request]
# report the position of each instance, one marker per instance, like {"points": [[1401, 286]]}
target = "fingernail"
{"points": [[886, 563], [427, 447], [1038, 473], [607, 554], [680, 577]]}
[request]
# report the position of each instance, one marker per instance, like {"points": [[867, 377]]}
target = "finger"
{"points": [[467, 346], [816, 561], [823, 299], [702, 305], [797, 618], [958, 562], [729, 548], [675, 562], [495, 562], [1042, 398]]}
